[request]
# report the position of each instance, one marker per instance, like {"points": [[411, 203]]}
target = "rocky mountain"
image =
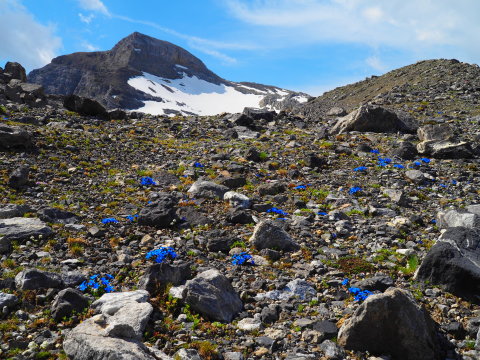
{"points": [[154, 76], [352, 234], [427, 89]]}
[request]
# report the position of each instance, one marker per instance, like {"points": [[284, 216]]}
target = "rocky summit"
{"points": [[344, 228], [157, 77]]}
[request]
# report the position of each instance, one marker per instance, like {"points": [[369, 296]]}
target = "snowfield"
{"points": [[194, 95]]}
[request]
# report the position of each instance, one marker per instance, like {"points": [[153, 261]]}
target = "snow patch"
{"points": [[191, 94], [181, 67]]}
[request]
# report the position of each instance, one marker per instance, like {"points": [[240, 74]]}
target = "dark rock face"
{"points": [[54, 215], [13, 137], [14, 70], [259, 114], [66, 302], [406, 151], [84, 106], [24, 93], [392, 323], [19, 177], [162, 274], [454, 263], [371, 118], [159, 213]]}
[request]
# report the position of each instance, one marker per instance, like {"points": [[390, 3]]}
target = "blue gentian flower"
{"points": [[345, 282], [322, 213], [375, 151], [242, 258], [109, 221], [425, 160], [147, 180], [399, 166], [198, 165], [360, 168], [97, 283], [161, 254], [276, 211], [300, 187], [83, 286], [354, 190], [454, 182]]}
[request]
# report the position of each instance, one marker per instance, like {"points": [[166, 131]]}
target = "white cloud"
{"points": [[24, 39], [425, 27], [375, 63], [87, 19], [94, 5]]}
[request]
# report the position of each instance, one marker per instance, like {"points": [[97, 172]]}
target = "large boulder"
{"points": [[371, 118], [208, 189], [159, 213], [68, 301], [13, 70], [392, 323], [7, 300], [212, 295], [8, 211], [33, 279], [259, 114], [439, 141], [14, 137], [54, 215], [268, 235], [25, 93], [21, 229], [456, 218], [84, 106], [454, 263], [19, 177], [115, 332]]}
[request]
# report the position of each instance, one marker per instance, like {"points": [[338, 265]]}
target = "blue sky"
{"points": [[305, 45]]}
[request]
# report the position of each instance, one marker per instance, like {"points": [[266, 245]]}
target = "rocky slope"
{"points": [[275, 240], [154, 76]]}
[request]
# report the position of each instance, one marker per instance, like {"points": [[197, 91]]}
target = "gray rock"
{"points": [[68, 301], [392, 323], [208, 189], [33, 279], [435, 132], [14, 137], [416, 176], [454, 263], [115, 332], [129, 321], [378, 282], [397, 196], [160, 213], [14, 70], [244, 133], [192, 216], [24, 93], [20, 229], [259, 114], [406, 151], [187, 354], [370, 118], [54, 215], [297, 289], [267, 235], [230, 355], [332, 351], [19, 177], [273, 188], [162, 274], [336, 111], [211, 294], [446, 149], [237, 200], [239, 216], [84, 106], [110, 303], [9, 211], [455, 218], [7, 300]]}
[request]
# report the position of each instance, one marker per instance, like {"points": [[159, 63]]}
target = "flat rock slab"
{"points": [[20, 229]]}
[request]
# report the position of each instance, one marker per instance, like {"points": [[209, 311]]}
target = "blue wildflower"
{"points": [[399, 166], [161, 254], [83, 286], [425, 160], [354, 190], [276, 211], [345, 281], [375, 151], [360, 168], [454, 182], [322, 213], [131, 217], [146, 181], [198, 165], [97, 283], [300, 187], [109, 221], [433, 221], [242, 258]]}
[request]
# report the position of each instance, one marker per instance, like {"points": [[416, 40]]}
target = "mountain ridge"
{"points": [[105, 76]]}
